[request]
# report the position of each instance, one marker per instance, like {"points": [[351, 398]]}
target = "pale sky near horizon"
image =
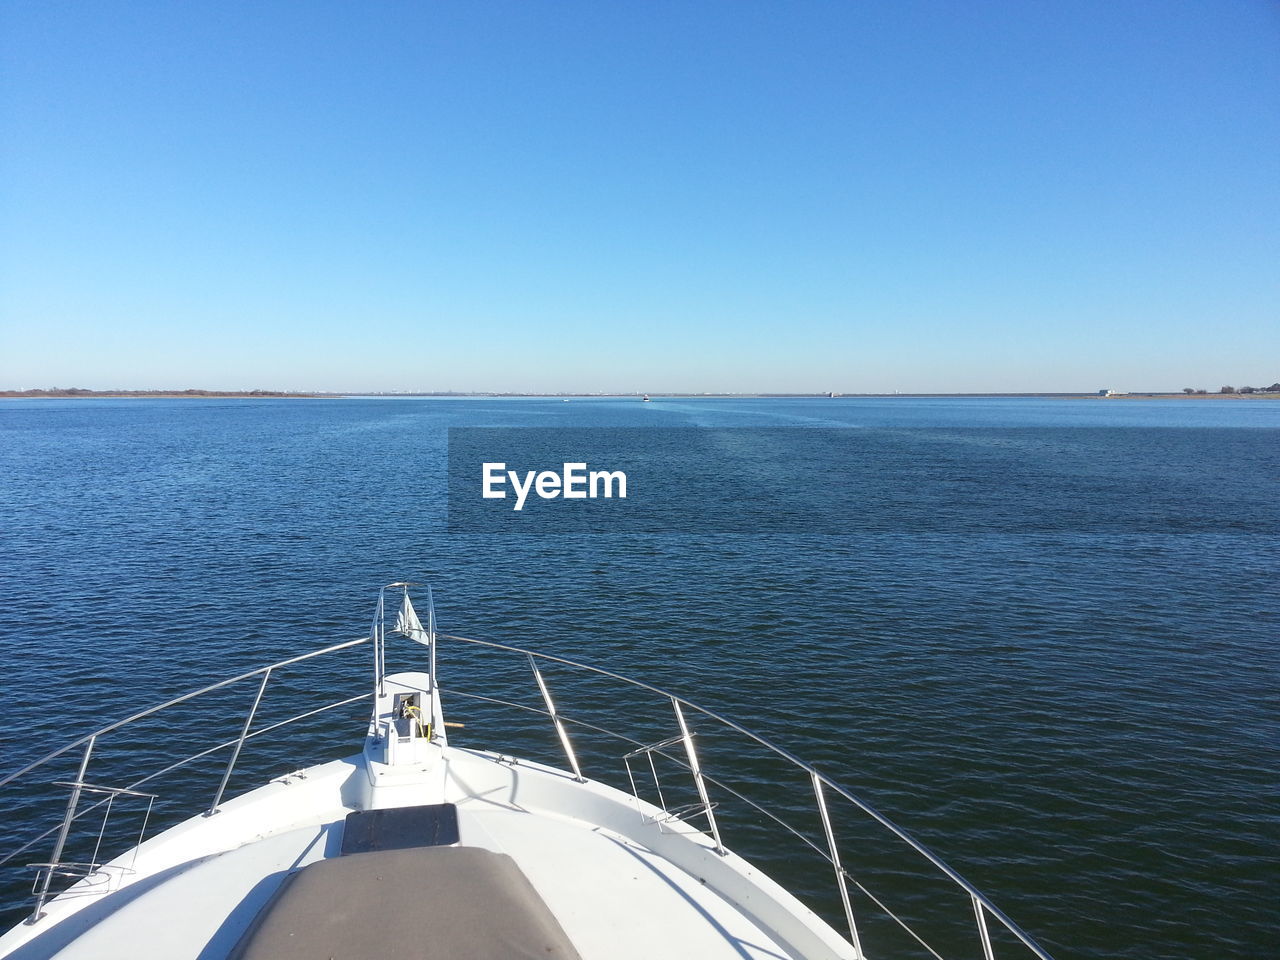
{"points": [[696, 196]]}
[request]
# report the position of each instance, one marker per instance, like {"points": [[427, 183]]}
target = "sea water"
{"points": [[1052, 658]]}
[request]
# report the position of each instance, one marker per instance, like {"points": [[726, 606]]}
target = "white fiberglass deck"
{"points": [[614, 895], [615, 898]]}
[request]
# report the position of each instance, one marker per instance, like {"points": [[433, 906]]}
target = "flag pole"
{"points": [[431, 635], [376, 634]]}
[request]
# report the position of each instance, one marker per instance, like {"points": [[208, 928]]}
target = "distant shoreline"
{"points": [[78, 394]]}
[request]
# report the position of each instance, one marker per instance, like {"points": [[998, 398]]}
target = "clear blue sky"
{"points": [[739, 196]]}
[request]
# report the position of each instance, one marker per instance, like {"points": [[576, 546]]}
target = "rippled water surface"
{"points": [[1080, 717]]}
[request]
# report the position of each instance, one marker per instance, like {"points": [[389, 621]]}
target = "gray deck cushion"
{"points": [[430, 825], [426, 903]]}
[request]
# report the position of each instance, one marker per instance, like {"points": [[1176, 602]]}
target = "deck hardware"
{"points": [[696, 770], [835, 862], [649, 751], [235, 753], [980, 913], [653, 768], [72, 802], [377, 633], [112, 793], [681, 814], [81, 869], [555, 719]]}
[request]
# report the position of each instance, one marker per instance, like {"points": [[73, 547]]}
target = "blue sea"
{"points": [[1047, 648]]}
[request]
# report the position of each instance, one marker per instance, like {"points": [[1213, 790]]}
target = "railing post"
{"points": [[235, 753], [835, 862], [555, 719], [696, 770], [72, 802], [378, 634], [981, 914]]}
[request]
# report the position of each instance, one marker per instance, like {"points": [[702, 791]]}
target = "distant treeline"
{"points": [[82, 392], [1274, 388]]}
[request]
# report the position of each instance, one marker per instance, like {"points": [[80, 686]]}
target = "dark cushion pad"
{"points": [[433, 825], [425, 903]]}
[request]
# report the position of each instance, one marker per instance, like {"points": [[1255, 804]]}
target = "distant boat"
{"points": [[646, 398]]}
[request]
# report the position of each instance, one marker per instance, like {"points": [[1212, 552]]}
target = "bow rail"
{"points": [[681, 750]]}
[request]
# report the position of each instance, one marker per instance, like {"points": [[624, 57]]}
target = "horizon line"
{"points": [[265, 393]]}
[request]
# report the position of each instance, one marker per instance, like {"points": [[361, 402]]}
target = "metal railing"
{"points": [[983, 908], [680, 749], [56, 866]]}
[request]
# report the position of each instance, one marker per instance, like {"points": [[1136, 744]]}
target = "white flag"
{"points": [[407, 622]]}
